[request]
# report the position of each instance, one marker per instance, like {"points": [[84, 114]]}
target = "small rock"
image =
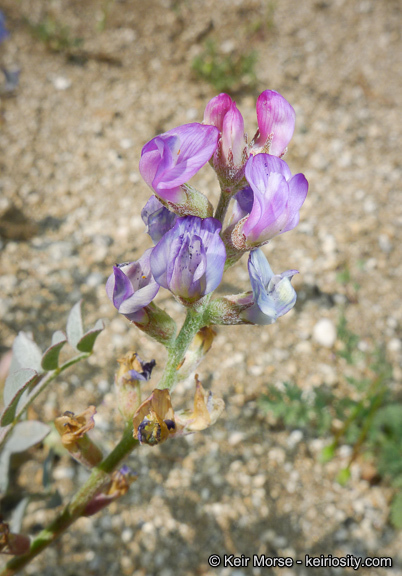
{"points": [[235, 438], [61, 83], [394, 345], [384, 243], [324, 333], [294, 438]]}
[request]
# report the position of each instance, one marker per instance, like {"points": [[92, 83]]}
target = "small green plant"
{"points": [[371, 418], [225, 72], [55, 35]]}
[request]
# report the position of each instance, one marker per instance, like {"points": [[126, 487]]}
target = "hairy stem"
{"points": [[193, 323], [222, 207]]}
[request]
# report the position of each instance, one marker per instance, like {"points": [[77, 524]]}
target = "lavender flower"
{"points": [[157, 219], [171, 159], [190, 258], [273, 294], [132, 287], [277, 197]]}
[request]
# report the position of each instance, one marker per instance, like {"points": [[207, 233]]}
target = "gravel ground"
{"points": [[70, 201]]}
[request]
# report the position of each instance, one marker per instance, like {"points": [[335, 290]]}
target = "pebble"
{"points": [[235, 438], [394, 345], [61, 83], [324, 333], [294, 438]]}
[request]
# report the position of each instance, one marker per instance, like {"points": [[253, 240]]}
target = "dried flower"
{"points": [[73, 431], [155, 420], [127, 382], [200, 345]]}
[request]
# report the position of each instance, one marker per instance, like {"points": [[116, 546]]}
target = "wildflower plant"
{"points": [[193, 244]]}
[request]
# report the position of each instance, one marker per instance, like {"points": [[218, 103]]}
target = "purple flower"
{"points": [[190, 258], [277, 199], [132, 287], [273, 294], [3, 30], [276, 124], [171, 159], [157, 219]]}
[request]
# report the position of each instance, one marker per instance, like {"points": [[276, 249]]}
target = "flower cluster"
{"points": [[193, 245], [191, 251]]}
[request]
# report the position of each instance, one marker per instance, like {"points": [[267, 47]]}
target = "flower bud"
{"points": [[276, 124], [231, 153], [73, 431]]}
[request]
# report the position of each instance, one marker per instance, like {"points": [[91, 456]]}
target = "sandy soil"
{"points": [[70, 201]]}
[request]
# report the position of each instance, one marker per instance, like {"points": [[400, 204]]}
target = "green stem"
{"points": [[222, 207], [193, 323], [99, 477]]}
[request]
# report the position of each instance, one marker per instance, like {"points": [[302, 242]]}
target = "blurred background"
{"points": [[307, 458]]}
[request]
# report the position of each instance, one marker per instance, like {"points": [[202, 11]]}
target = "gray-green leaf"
{"points": [[25, 435], [86, 343], [26, 354], [15, 385], [75, 330], [50, 358]]}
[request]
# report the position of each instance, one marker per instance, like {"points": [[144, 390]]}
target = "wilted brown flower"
{"points": [[127, 382], [73, 431], [155, 420]]}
